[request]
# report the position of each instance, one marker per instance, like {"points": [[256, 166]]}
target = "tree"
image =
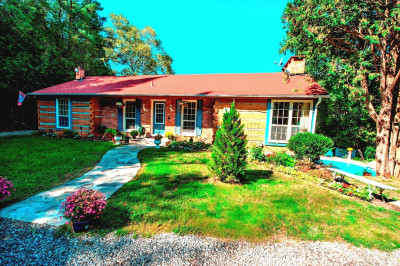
{"points": [[360, 40], [139, 51], [228, 158], [41, 43]]}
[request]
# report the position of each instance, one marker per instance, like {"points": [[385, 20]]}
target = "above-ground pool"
{"points": [[352, 167]]}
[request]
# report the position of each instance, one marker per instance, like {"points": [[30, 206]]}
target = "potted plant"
{"points": [[134, 133], [82, 207], [157, 140]]}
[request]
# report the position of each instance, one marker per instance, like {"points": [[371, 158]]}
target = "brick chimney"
{"points": [[296, 65], [79, 73]]}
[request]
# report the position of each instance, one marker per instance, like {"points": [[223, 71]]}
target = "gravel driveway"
{"points": [[26, 243]]}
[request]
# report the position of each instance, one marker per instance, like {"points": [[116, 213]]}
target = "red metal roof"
{"points": [[236, 85]]}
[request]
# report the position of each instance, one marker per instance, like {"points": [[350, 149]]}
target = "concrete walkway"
{"points": [[116, 168]]}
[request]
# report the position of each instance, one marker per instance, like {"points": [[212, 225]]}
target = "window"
{"points": [[63, 113], [288, 118], [159, 113], [129, 112], [189, 118]]}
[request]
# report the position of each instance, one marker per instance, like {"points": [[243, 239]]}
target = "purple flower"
{"points": [[84, 204]]}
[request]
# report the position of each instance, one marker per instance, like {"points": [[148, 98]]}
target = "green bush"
{"points": [[111, 131], [228, 157], [101, 129], [191, 146], [69, 134], [309, 146], [134, 133], [281, 158], [256, 154]]}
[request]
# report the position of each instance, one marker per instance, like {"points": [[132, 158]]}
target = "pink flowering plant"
{"points": [[5, 188], [83, 205]]}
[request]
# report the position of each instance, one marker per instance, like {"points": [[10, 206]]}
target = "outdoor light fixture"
{"points": [[171, 108]]}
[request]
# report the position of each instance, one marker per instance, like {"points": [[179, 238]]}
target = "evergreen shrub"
{"points": [[228, 157]]}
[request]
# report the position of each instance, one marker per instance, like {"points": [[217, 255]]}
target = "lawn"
{"points": [[174, 192], [36, 164]]}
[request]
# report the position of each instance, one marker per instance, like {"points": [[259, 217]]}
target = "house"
{"points": [[272, 106]]}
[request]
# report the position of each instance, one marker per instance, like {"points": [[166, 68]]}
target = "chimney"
{"points": [[296, 65], [79, 73]]}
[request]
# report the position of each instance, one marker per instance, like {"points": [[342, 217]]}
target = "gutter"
{"points": [[315, 113]]}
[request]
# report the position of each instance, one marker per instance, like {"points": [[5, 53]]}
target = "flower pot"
{"points": [[117, 140], [157, 142], [80, 226]]}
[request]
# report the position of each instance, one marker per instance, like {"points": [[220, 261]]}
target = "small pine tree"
{"points": [[228, 158]]}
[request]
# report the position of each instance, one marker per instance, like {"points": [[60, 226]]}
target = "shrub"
{"points": [[134, 133], [100, 130], [370, 153], [191, 146], [83, 205], [170, 135], [281, 158], [111, 132], [5, 188], [69, 134], [256, 154], [309, 146], [228, 157]]}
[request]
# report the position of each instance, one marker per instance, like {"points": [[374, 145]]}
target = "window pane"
{"points": [[189, 118], [159, 113], [130, 109], [63, 113], [129, 124], [278, 132], [63, 121]]}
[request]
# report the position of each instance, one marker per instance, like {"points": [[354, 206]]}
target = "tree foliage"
{"points": [[228, 158], [138, 51], [41, 42], [359, 42]]}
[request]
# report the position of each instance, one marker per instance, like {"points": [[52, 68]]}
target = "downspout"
{"points": [[315, 114]]}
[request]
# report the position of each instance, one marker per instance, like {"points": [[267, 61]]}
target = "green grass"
{"points": [[173, 192], [36, 164]]}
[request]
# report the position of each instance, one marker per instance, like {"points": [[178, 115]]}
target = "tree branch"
{"points": [[368, 103]]}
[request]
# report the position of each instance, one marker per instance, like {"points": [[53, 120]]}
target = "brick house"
{"points": [[272, 106]]}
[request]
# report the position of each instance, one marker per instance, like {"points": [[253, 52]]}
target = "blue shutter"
{"points": [[267, 125], [70, 113], [199, 117], [120, 119], [178, 117], [137, 113]]}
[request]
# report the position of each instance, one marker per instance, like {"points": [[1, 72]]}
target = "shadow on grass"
{"points": [[255, 175]]}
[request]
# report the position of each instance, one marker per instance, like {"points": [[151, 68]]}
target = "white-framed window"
{"points": [[129, 115], [288, 118], [63, 113], [189, 118], [159, 115]]}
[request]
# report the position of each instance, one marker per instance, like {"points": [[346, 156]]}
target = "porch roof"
{"points": [[203, 85]]}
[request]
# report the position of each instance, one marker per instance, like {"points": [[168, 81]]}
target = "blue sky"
{"points": [[221, 36]]}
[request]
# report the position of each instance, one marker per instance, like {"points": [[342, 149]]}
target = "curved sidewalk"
{"points": [[116, 168]]}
